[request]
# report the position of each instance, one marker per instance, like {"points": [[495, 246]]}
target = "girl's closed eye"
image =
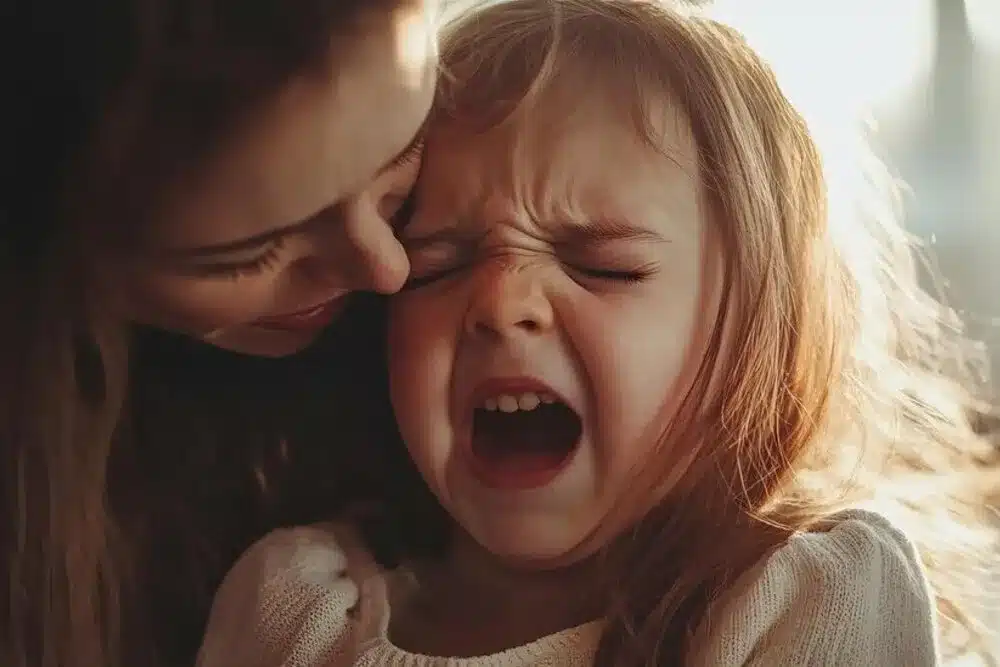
{"points": [[397, 210], [630, 277], [430, 262], [609, 272]]}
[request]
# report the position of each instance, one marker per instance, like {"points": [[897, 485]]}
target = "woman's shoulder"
{"points": [[309, 590], [850, 592]]}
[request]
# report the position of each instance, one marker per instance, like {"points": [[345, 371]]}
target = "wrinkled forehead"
{"points": [[567, 146]]}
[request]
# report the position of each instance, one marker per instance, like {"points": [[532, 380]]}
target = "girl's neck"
{"points": [[471, 603]]}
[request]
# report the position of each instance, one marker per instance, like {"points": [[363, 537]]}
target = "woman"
{"points": [[190, 184]]}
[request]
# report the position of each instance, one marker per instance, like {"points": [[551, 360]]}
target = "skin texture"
{"points": [[316, 173], [520, 292]]}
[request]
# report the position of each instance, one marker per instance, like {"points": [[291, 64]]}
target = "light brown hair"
{"points": [[841, 381], [130, 473]]}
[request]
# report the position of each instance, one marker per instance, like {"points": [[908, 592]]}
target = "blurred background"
{"points": [[926, 75]]}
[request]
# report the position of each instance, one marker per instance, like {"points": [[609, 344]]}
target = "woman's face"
{"points": [[259, 248]]}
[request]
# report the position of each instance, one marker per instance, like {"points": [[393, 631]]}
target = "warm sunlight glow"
{"points": [[839, 56], [413, 47], [984, 22], [840, 62]]}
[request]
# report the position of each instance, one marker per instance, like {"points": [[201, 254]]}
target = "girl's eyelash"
{"points": [[450, 257], [428, 278], [630, 277], [402, 215], [237, 270]]}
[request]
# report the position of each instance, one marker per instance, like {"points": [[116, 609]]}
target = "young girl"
{"points": [[656, 385]]}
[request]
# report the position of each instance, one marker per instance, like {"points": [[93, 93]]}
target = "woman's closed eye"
{"points": [[264, 260]]}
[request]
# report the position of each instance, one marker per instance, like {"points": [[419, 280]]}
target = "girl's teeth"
{"points": [[528, 401], [508, 403]]}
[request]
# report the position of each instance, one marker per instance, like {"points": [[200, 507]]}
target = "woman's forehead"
{"points": [[321, 140]]}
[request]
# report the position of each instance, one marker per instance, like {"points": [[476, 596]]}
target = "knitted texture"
{"points": [[852, 596]]}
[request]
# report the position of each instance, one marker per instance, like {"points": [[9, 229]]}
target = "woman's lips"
{"points": [[309, 319]]}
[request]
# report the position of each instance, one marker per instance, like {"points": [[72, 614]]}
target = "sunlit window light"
{"points": [[839, 55], [984, 23]]}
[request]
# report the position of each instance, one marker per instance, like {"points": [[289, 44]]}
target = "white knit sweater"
{"points": [[854, 596]]}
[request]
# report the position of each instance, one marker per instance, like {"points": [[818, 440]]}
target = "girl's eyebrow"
{"points": [[604, 230], [458, 233], [593, 232]]}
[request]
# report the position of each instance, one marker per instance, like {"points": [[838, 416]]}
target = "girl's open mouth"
{"points": [[523, 442]]}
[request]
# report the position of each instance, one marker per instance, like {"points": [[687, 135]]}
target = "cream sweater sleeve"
{"points": [[296, 598], [854, 596]]}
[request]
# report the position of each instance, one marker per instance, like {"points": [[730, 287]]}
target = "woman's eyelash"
{"points": [[242, 269], [410, 154]]}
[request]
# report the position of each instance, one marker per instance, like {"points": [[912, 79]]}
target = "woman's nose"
{"points": [[381, 264], [362, 252]]}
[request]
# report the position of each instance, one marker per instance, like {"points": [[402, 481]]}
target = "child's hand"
{"points": [[294, 599]]}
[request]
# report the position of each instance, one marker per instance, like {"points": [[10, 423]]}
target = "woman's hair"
{"points": [[832, 378], [131, 464]]}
